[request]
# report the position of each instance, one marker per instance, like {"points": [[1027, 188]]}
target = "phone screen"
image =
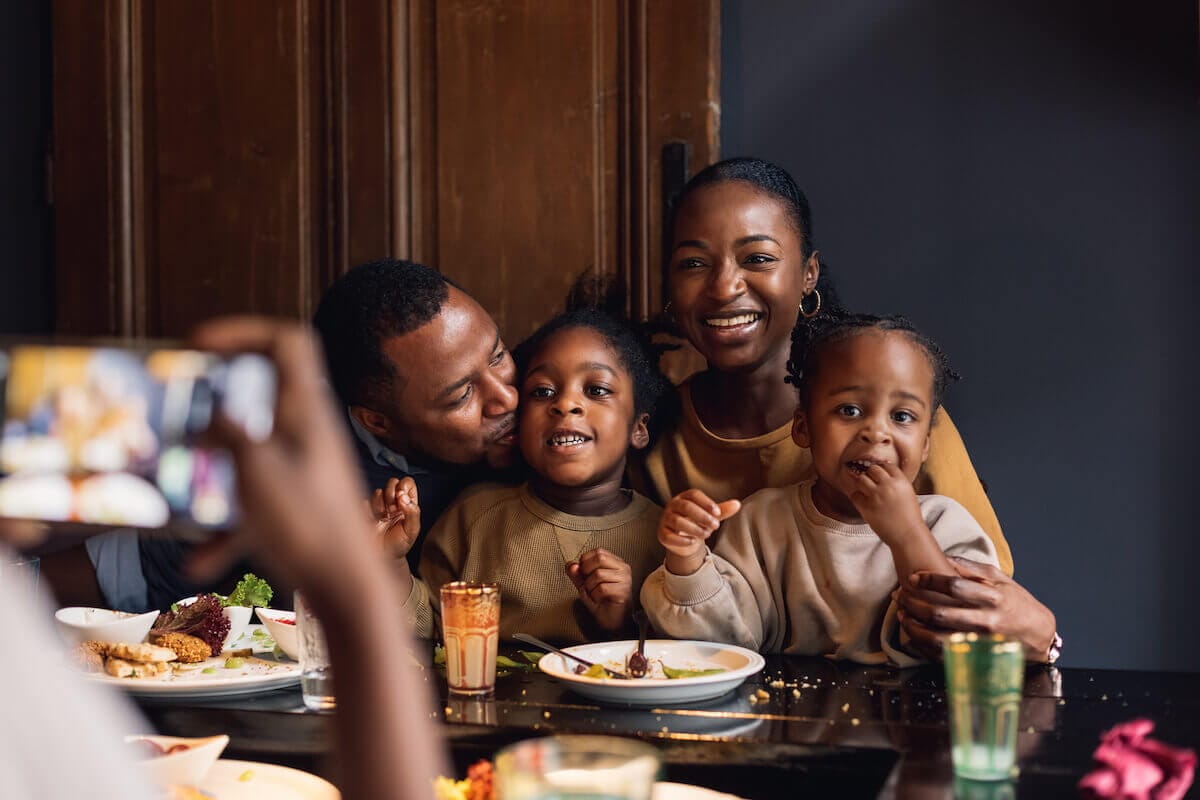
{"points": [[109, 435]]}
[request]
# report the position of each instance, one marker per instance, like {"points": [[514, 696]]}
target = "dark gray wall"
{"points": [[26, 277], [1022, 178]]}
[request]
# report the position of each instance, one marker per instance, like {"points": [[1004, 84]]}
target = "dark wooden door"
{"points": [[219, 156]]}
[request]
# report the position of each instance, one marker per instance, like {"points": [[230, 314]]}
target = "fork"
{"points": [[536, 642]]}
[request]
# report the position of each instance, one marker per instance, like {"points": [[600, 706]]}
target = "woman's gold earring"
{"points": [[666, 312], [816, 309]]}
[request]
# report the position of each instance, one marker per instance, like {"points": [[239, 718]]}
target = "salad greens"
{"points": [[251, 591], [671, 672]]}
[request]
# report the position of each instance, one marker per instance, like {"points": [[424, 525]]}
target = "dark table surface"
{"points": [[825, 729]]}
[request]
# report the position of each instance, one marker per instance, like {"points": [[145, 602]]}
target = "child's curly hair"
{"points": [[811, 337], [597, 304]]}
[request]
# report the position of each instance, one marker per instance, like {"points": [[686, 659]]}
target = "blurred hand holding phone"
{"points": [[112, 435]]}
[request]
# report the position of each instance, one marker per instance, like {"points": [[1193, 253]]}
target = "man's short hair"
{"points": [[368, 305]]}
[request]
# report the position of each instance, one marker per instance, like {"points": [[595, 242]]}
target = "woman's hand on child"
{"points": [[397, 515], [687, 521], [887, 502], [605, 585], [980, 599]]}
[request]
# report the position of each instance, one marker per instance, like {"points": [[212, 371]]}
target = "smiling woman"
{"points": [[743, 268]]}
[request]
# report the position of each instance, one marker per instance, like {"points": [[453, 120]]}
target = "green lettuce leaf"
{"points": [[670, 672], [251, 592]]}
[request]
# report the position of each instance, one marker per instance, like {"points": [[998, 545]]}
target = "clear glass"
{"points": [[16, 566], [984, 678], [577, 767], [20, 570], [467, 709], [967, 789], [316, 676], [471, 634]]}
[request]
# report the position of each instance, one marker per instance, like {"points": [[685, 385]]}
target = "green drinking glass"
{"points": [[984, 678]]}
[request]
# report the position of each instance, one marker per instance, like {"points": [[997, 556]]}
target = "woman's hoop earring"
{"points": [[816, 309]]}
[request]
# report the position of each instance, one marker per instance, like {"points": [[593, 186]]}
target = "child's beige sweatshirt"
{"points": [[784, 578]]}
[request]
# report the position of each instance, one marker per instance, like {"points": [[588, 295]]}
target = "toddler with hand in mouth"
{"points": [[809, 569], [571, 546]]}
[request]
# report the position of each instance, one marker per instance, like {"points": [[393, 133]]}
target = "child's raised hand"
{"points": [[687, 521], [887, 502], [397, 515], [605, 585]]}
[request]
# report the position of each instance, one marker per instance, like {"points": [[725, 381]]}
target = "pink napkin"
{"points": [[1135, 767]]}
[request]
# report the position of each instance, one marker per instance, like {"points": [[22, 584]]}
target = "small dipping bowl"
{"points": [[185, 767], [79, 624], [282, 627]]}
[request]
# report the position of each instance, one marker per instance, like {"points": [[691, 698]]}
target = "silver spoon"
{"points": [[638, 666], [536, 642]]}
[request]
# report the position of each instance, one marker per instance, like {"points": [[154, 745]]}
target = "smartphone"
{"points": [[110, 435]]}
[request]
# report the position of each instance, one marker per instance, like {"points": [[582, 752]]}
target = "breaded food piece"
{"points": [[188, 649], [145, 653], [120, 668], [89, 656]]}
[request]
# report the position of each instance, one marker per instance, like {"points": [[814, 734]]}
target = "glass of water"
{"points": [[577, 767], [316, 676], [20, 570], [984, 679]]}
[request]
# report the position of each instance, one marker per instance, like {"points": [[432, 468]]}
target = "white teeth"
{"points": [[567, 439], [729, 322]]}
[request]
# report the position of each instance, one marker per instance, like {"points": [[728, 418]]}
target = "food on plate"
{"points": [[188, 649], [125, 659], [186, 793], [148, 653], [477, 785], [89, 656], [152, 749], [655, 668], [120, 668], [690, 673], [594, 671], [251, 592], [205, 619]]}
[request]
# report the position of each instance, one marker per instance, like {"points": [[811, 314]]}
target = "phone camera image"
{"points": [[114, 436]]}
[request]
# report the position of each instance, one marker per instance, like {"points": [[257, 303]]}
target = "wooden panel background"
{"points": [[218, 156]]}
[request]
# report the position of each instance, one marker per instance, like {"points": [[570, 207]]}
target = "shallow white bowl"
{"points": [[80, 624], [738, 663], [187, 767], [238, 616], [284, 634]]}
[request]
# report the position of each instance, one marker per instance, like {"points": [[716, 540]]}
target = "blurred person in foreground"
{"points": [[302, 498]]}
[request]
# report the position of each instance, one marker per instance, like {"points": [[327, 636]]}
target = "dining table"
{"points": [[802, 727]]}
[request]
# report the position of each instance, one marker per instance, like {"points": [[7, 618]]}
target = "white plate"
{"points": [[264, 782], [664, 790], [738, 662], [260, 673]]}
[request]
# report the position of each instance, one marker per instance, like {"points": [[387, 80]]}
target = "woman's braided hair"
{"points": [[811, 337]]}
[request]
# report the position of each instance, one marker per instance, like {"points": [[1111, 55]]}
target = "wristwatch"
{"points": [[1055, 649]]}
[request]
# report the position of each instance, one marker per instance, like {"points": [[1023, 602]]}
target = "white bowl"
{"points": [[238, 616], [187, 767], [80, 624], [737, 664], [284, 633]]}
